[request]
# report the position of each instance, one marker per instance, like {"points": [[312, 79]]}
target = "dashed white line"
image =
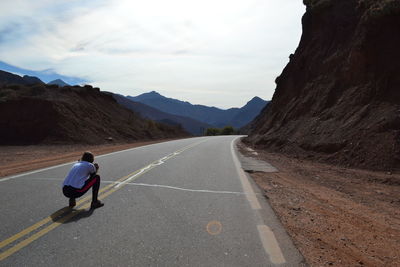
{"points": [[270, 244], [267, 236]]}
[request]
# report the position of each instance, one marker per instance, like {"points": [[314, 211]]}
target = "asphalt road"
{"points": [[178, 203]]}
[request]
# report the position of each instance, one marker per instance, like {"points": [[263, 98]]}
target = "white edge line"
{"points": [[270, 244], [36, 171], [267, 236], [251, 196]]}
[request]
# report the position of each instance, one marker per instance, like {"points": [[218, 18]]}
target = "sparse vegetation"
{"points": [[227, 130], [213, 131]]}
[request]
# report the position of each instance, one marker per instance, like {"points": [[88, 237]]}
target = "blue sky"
{"points": [[213, 52]]}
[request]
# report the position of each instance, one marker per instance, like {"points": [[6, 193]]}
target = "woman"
{"points": [[80, 179]]}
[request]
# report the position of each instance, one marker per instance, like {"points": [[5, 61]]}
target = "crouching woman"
{"points": [[83, 176]]}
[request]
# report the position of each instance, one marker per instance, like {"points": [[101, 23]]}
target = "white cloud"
{"points": [[200, 51]]}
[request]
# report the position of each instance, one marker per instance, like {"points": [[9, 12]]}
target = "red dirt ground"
{"points": [[17, 159], [336, 216]]}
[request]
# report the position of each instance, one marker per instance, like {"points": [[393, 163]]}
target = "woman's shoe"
{"points": [[96, 204]]}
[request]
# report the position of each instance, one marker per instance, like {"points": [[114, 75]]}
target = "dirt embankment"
{"points": [[18, 159], [48, 114], [336, 216], [338, 99]]}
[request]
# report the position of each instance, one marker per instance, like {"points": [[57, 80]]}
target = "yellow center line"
{"points": [[59, 213], [103, 193], [48, 219], [42, 232]]}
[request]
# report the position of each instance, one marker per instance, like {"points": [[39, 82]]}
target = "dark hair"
{"points": [[87, 156]]}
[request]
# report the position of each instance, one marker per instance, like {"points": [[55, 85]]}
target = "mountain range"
{"points": [[194, 127], [10, 78], [236, 117], [153, 106]]}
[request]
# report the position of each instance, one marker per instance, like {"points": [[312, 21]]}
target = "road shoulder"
{"points": [[276, 241], [335, 216]]}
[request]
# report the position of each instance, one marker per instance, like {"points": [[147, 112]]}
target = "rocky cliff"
{"points": [[338, 98]]}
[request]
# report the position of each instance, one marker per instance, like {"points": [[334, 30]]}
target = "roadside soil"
{"points": [[336, 216], [18, 159]]}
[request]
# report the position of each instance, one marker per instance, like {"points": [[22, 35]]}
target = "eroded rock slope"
{"points": [[338, 99]]}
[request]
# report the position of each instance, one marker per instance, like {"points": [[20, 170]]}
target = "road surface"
{"points": [[179, 203]]}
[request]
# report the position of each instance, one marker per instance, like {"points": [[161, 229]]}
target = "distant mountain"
{"points": [[192, 126], [249, 111], [210, 115], [59, 82], [32, 79], [10, 78], [236, 117]]}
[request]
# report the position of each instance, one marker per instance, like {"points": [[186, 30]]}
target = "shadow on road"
{"points": [[60, 213], [67, 215]]}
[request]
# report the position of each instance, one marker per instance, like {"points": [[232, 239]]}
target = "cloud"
{"points": [[131, 47], [45, 75]]}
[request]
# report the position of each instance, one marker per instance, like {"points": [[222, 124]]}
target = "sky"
{"points": [[213, 52]]}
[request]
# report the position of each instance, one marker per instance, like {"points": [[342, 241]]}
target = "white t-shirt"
{"points": [[79, 173]]}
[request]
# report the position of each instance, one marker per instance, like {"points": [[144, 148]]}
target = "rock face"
{"points": [[49, 114], [338, 99]]}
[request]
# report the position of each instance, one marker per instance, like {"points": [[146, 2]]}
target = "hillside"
{"points": [[338, 98], [45, 114], [9, 78], [190, 125], [236, 117]]}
